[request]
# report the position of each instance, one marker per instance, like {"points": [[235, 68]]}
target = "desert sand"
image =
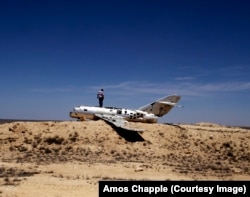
{"points": [[68, 158]]}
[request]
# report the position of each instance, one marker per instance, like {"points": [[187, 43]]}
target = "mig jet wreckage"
{"points": [[119, 117]]}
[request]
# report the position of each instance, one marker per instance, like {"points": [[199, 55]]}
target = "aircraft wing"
{"points": [[116, 121]]}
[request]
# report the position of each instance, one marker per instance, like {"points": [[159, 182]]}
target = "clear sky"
{"points": [[56, 54]]}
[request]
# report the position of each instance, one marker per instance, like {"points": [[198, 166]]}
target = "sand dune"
{"points": [[68, 158]]}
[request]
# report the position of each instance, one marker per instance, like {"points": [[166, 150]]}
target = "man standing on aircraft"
{"points": [[100, 97]]}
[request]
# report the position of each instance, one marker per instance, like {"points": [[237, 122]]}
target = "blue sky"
{"points": [[57, 54]]}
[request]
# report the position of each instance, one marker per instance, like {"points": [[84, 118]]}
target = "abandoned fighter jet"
{"points": [[120, 116]]}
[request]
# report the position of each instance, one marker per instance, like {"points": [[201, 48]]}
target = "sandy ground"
{"points": [[69, 158]]}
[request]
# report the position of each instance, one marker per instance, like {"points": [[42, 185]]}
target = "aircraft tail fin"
{"points": [[162, 106]]}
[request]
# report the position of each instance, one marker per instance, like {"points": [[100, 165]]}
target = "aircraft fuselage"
{"points": [[130, 115]]}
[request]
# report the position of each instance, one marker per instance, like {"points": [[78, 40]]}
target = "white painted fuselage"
{"points": [[130, 115]]}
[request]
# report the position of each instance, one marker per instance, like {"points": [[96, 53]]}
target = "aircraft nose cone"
{"points": [[76, 108]]}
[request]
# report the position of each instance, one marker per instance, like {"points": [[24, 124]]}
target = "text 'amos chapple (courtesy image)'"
{"points": [[174, 188]]}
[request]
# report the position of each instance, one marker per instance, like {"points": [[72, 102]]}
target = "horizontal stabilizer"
{"points": [[169, 103]]}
